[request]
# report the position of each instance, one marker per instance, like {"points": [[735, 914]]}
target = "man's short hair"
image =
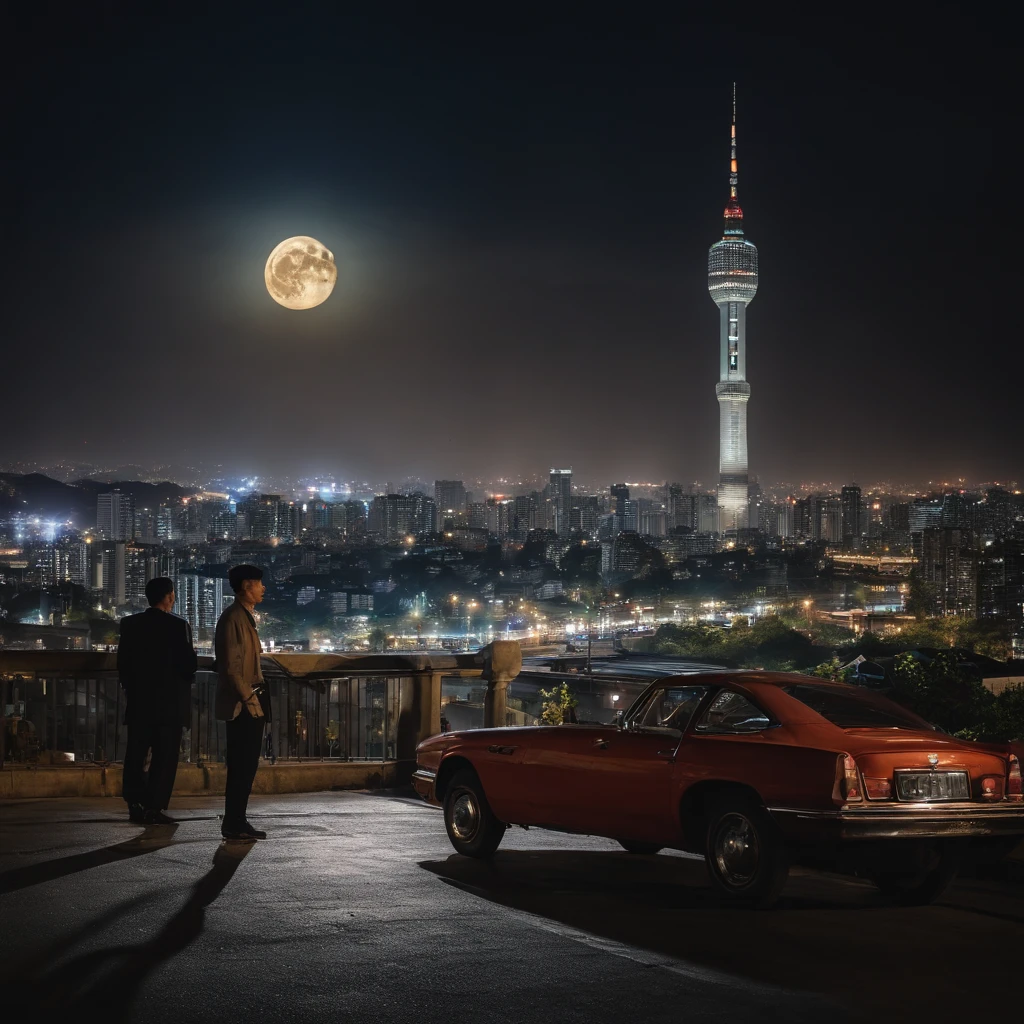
{"points": [[238, 574], [158, 588]]}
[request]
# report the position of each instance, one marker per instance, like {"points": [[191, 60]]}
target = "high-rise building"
{"points": [[732, 282], [950, 564], [349, 517], [853, 508], [807, 518], [680, 508], [68, 561], [142, 563], [115, 516], [395, 517], [199, 600], [998, 515], [708, 514], [524, 516], [499, 512], [111, 575], [650, 518], [830, 510], [450, 496], [561, 493], [585, 514]]}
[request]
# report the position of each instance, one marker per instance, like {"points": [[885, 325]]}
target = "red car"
{"points": [[753, 770]]}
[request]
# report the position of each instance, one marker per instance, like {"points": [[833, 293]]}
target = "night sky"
{"points": [[520, 208]]}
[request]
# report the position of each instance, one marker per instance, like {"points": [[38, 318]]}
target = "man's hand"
{"points": [[253, 706]]}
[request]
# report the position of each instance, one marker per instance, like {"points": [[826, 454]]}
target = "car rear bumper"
{"points": [[423, 782], [925, 821]]}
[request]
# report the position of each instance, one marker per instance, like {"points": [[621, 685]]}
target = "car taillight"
{"points": [[851, 780], [1013, 785], [991, 788], [878, 789]]}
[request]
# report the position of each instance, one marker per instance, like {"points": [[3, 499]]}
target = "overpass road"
{"points": [[356, 909]]}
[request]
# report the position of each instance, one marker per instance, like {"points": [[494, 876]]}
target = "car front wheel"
{"points": [[745, 855], [472, 826]]}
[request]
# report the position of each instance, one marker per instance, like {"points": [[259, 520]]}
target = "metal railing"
{"points": [[348, 719], [61, 705]]}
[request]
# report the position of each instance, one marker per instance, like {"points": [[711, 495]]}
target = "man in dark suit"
{"points": [[157, 664]]}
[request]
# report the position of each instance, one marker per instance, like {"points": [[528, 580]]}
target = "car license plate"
{"points": [[928, 786]]}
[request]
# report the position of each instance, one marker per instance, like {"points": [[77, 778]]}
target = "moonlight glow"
{"points": [[300, 273]]}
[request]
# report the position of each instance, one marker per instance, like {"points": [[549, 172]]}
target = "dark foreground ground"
{"points": [[356, 909]]}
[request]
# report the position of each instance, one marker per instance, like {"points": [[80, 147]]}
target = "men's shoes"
{"points": [[137, 813], [157, 818], [245, 833]]}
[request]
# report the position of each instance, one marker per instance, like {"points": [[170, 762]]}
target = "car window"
{"points": [[855, 710], [732, 712], [670, 708]]}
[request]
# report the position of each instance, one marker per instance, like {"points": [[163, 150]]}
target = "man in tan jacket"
{"points": [[239, 688]]}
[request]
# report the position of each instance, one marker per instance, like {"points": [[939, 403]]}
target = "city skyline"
{"points": [[517, 248]]}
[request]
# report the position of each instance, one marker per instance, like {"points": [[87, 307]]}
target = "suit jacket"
{"points": [[156, 663], [237, 649]]}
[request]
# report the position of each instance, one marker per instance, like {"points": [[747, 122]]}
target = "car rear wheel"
{"points": [[745, 854], [639, 848], [472, 827], [925, 885]]}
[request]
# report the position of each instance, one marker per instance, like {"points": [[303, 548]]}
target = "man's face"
{"points": [[254, 590]]}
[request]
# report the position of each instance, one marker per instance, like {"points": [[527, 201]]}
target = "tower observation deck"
{"points": [[732, 282]]}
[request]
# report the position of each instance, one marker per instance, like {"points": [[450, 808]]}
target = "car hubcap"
{"points": [[736, 852], [465, 816]]}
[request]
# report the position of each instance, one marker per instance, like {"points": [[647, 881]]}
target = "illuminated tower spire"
{"points": [[733, 169], [732, 282]]}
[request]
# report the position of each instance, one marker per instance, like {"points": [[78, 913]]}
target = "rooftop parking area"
{"points": [[356, 908]]}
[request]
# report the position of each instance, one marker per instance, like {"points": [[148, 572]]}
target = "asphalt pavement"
{"points": [[357, 909]]}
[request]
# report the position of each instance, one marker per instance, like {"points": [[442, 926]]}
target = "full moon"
{"points": [[300, 273]]}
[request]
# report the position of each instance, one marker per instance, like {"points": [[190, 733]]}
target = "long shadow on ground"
{"points": [[109, 979], [155, 837], [828, 935]]}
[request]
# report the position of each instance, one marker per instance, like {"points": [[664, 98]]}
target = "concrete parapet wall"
{"points": [[32, 782]]}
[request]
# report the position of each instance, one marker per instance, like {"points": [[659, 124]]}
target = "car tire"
{"points": [[918, 888], [641, 849], [473, 829], [745, 854]]}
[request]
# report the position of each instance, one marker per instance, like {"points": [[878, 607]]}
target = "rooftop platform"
{"points": [[357, 909]]}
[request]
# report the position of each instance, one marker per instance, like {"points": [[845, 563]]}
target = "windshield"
{"points": [[853, 711]]}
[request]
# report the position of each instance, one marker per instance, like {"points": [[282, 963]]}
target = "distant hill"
{"points": [[38, 495]]}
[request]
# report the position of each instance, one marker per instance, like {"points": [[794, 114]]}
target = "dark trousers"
{"points": [[153, 789], [244, 743]]}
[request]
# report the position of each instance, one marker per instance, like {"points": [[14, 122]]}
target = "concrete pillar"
{"points": [[421, 716], [502, 661]]}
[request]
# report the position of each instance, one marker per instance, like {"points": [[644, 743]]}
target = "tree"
{"points": [[378, 639], [941, 692], [557, 702], [1007, 716], [922, 596], [833, 670]]}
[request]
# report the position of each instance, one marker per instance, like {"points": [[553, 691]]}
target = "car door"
{"points": [[553, 773], [709, 748], [635, 770], [616, 782]]}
